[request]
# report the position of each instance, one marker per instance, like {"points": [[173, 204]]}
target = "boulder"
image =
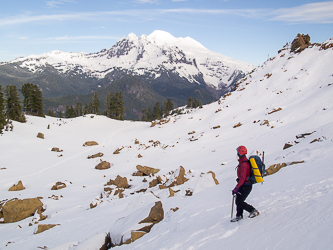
{"points": [[19, 186], [146, 171], [43, 227], [120, 182], [90, 143], [15, 210], [58, 185], [103, 165], [155, 182], [40, 135]]}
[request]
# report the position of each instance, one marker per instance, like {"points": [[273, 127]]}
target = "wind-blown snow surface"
{"points": [[295, 203]]}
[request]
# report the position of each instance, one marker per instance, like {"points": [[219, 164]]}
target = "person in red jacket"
{"points": [[243, 187]]}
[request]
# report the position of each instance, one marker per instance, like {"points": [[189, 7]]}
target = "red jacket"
{"points": [[243, 171]]}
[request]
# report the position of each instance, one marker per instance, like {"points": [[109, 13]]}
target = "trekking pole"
{"points": [[232, 205]]}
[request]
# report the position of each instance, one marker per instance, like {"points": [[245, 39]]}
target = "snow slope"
{"points": [[287, 96], [146, 55]]}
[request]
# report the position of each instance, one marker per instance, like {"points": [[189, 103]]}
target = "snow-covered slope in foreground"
{"points": [[287, 97]]}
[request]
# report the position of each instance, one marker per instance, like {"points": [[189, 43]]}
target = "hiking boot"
{"points": [[237, 218], [254, 213]]}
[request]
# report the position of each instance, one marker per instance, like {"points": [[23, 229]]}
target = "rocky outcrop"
{"points": [[300, 43], [103, 165], [15, 210], [19, 186]]}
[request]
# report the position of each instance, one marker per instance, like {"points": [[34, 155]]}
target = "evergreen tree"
{"points": [[50, 113], [60, 114], [2, 111], [32, 99], [157, 111], [115, 106], [193, 103], [96, 105], [79, 110], [13, 106], [167, 107]]}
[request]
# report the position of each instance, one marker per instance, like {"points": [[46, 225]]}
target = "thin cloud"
{"points": [[56, 3], [80, 38], [321, 12]]}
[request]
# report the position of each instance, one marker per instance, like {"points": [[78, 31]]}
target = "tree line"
{"points": [[159, 110], [11, 107], [114, 107]]}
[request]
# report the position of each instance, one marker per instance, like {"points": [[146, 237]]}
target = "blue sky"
{"points": [[247, 30]]}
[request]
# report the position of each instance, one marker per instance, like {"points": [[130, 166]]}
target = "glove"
{"points": [[235, 190]]}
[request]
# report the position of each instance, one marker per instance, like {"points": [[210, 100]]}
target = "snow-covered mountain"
{"points": [[283, 108], [148, 56]]}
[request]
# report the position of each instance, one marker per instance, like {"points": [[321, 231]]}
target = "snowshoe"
{"points": [[254, 213], [237, 218]]}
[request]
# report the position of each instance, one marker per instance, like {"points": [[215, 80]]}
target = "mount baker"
{"points": [[146, 69]]}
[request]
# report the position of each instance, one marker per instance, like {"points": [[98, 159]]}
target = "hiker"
{"points": [[243, 187]]}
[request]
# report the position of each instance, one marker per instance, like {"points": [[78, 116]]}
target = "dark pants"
{"points": [[242, 194]]}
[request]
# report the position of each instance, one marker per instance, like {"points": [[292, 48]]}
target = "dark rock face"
{"points": [[300, 43]]}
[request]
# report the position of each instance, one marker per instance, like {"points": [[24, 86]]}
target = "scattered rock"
{"points": [[287, 145], [218, 126], [117, 151], [58, 185], [40, 135], [56, 150], [175, 209], [139, 156], [90, 143], [43, 227], [155, 182], [95, 155], [119, 182], [274, 110], [103, 165], [237, 125], [19, 186], [145, 171], [177, 178], [15, 210]]}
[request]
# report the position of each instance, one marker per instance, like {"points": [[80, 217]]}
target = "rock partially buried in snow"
{"points": [[58, 185], [15, 210], [90, 143], [40, 135], [103, 165], [19, 186], [43, 227], [120, 182], [128, 229], [177, 178], [145, 171], [205, 181]]}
